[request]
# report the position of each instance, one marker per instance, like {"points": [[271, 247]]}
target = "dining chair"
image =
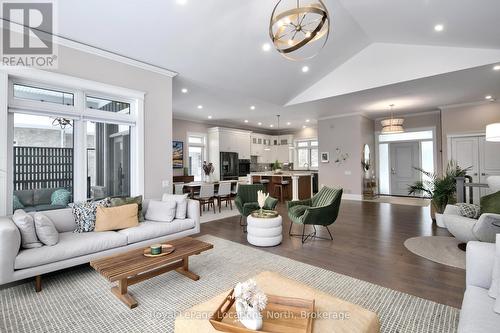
{"points": [[206, 197], [179, 188], [224, 194]]}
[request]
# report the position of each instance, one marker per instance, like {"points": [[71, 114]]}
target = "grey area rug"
{"points": [[80, 300], [440, 249]]}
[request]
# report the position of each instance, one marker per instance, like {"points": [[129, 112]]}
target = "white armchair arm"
{"points": [[193, 212], [484, 229], [480, 258]]}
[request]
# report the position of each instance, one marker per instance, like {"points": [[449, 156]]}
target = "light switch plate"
{"points": [[347, 172]]}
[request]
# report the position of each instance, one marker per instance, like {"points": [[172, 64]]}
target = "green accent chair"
{"points": [[322, 209], [246, 200]]}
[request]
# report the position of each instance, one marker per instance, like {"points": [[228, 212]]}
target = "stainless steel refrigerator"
{"points": [[229, 165]]}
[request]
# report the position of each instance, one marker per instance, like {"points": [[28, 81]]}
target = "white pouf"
{"points": [[264, 231]]}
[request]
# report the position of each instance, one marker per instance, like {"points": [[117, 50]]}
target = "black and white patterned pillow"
{"points": [[85, 214], [469, 210]]}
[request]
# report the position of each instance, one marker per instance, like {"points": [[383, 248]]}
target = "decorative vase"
{"points": [[440, 220], [250, 318]]}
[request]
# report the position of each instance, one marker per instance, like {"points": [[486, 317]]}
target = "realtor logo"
{"points": [[27, 34]]}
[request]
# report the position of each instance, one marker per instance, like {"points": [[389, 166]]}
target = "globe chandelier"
{"points": [[299, 29]]}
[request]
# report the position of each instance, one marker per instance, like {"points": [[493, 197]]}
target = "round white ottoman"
{"points": [[264, 231]]}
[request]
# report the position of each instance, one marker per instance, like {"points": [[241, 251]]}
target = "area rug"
{"points": [[80, 300], [409, 201], [209, 216], [439, 249]]}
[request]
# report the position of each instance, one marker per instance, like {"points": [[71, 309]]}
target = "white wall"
{"points": [[157, 107]]}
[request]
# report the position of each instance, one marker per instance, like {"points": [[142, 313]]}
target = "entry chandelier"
{"points": [[392, 125], [299, 29]]}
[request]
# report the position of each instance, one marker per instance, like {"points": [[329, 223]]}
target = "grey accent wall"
{"points": [[349, 134], [157, 107]]}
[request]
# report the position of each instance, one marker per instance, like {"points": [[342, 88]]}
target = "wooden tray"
{"points": [[282, 315], [165, 250]]}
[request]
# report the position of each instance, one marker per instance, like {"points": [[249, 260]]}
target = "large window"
{"points": [[306, 155], [71, 142], [196, 153]]}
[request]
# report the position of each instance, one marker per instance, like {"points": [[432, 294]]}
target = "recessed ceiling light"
{"points": [[181, 2], [246, 121], [304, 126], [252, 107], [439, 27], [308, 120], [259, 123], [184, 91], [488, 97], [496, 68], [305, 69], [209, 117], [200, 107], [271, 125], [266, 47], [288, 123]]}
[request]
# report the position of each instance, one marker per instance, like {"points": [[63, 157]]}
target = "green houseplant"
{"points": [[440, 189], [276, 167]]}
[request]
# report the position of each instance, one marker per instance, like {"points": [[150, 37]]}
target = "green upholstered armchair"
{"points": [[322, 209], [246, 200]]}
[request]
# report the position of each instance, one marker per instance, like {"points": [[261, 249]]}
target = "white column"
{"points": [[295, 188]]}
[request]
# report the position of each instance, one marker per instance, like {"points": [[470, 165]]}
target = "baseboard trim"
{"points": [[354, 197]]}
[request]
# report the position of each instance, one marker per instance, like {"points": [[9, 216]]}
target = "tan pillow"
{"points": [[116, 218]]}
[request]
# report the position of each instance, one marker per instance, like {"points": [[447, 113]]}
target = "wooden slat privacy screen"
{"points": [[43, 167]]}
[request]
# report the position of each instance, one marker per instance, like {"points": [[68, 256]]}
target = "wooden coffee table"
{"points": [[132, 267]]}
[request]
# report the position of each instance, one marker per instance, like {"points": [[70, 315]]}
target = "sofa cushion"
{"points": [[43, 208], [45, 229], [116, 218], [26, 226], [149, 229], [43, 196], [477, 314], [181, 207], [60, 197], [25, 196], [63, 219], [84, 213], [161, 211], [70, 245], [469, 210], [16, 203], [120, 201]]}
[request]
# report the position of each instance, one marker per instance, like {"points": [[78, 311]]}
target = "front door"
{"points": [[405, 156]]}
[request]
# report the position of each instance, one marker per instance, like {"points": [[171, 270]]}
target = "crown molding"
{"points": [[409, 115], [452, 106], [80, 46], [343, 115]]}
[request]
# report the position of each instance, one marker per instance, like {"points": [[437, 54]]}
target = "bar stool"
{"points": [[265, 182], [280, 187]]}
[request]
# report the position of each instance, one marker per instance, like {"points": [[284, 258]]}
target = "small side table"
{"points": [[264, 231]]}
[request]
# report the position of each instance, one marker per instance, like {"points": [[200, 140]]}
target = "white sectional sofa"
{"points": [[80, 248], [477, 315]]}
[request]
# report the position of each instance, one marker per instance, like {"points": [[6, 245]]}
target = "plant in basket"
{"points": [[250, 302]]}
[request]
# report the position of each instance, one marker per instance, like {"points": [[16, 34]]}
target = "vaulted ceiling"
{"points": [[379, 52]]}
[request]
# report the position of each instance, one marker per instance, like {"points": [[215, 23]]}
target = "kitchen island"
{"points": [[299, 183]]}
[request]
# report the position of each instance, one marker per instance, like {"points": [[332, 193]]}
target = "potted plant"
{"points": [[440, 189], [277, 167]]}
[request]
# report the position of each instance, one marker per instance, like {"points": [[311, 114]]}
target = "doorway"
{"points": [[481, 156], [404, 157]]}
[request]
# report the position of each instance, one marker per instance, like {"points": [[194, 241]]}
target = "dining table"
{"points": [[193, 187]]}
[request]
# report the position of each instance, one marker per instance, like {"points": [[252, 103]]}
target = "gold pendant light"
{"points": [[299, 29], [392, 125]]}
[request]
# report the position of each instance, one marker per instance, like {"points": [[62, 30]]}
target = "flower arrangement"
{"points": [[208, 168], [261, 199], [250, 301]]}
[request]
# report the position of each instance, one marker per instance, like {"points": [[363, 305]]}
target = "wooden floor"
{"points": [[368, 245]]}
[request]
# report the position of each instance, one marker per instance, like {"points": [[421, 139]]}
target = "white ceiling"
{"points": [[215, 46]]}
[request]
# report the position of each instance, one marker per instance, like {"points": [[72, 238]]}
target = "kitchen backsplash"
{"points": [[262, 167]]}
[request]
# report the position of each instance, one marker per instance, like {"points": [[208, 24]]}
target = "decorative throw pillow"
{"points": [[84, 213], [181, 200], [16, 203], [60, 197], [26, 226], [491, 203], [116, 218], [161, 211], [45, 230], [129, 200], [469, 210]]}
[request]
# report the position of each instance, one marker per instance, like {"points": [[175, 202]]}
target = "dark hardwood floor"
{"points": [[368, 245]]}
